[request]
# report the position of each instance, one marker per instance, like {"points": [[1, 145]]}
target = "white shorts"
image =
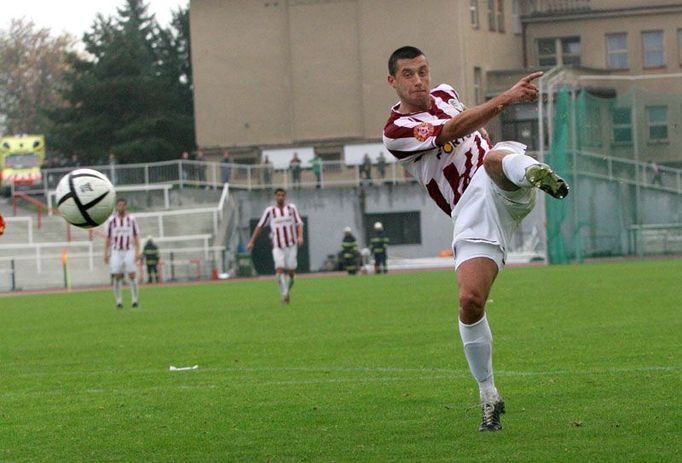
{"points": [[122, 262], [487, 216], [285, 257]]}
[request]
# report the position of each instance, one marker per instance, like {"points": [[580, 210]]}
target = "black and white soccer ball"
{"points": [[85, 198]]}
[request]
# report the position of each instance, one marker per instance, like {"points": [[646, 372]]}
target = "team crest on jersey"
{"points": [[423, 131]]}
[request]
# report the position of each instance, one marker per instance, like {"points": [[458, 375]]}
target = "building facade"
{"points": [[287, 73], [300, 72]]}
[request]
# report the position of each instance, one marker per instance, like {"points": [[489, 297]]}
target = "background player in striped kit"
{"points": [[440, 142], [286, 231], [122, 251]]}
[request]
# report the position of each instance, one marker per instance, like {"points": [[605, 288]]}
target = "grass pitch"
{"points": [[355, 369]]}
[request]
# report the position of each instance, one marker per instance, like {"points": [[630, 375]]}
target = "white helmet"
{"points": [[347, 230], [378, 226]]}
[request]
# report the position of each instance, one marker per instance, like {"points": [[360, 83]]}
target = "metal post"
{"points": [[635, 145], [12, 277], [146, 174], [166, 200], [576, 212], [180, 174], [172, 266]]}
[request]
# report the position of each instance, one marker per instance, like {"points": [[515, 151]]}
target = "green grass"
{"points": [[355, 369]]}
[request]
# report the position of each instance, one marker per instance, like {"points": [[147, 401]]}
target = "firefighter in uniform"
{"points": [[378, 243], [349, 251], [152, 255]]}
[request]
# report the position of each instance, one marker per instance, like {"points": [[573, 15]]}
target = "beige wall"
{"points": [[242, 88], [299, 71]]}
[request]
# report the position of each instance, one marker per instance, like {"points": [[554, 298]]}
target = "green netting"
{"points": [[605, 146], [558, 159]]}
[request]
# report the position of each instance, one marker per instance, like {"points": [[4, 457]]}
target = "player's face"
{"points": [[412, 82], [280, 197], [121, 207]]}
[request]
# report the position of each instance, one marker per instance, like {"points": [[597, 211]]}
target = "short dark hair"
{"points": [[407, 52], [280, 189], [121, 200]]}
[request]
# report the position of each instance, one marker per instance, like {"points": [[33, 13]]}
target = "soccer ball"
{"points": [[85, 198]]}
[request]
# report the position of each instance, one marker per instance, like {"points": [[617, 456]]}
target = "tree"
{"points": [[127, 96], [32, 74]]}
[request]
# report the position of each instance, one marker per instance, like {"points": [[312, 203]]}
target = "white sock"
{"points": [[283, 286], [478, 349], [133, 289], [514, 167], [117, 290]]}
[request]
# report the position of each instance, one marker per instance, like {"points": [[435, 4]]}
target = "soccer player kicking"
{"points": [[122, 251], [286, 231], [441, 143]]}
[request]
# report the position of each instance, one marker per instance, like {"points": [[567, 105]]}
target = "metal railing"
{"points": [[209, 174]]}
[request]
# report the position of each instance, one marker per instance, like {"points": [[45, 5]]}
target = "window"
{"points": [[547, 52], [622, 126], [570, 50], [473, 13], [617, 51], [500, 15], [652, 44], [478, 97], [516, 17], [491, 15], [569, 47], [399, 227], [657, 117]]}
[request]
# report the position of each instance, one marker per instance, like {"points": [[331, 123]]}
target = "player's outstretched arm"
{"points": [[475, 117]]}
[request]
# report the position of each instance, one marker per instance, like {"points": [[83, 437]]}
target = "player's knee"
{"points": [[493, 161], [471, 303]]}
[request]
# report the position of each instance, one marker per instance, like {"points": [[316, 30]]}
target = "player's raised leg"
{"points": [[475, 277], [510, 168]]}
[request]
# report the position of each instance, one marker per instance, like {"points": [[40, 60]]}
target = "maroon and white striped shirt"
{"points": [[283, 222], [445, 171], [122, 231]]}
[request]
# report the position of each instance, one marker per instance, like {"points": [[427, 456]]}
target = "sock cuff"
{"points": [[464, 325]]}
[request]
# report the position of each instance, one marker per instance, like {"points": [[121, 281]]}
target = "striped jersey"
{"points": [[445, 171], [122, 231], [283, 222]]}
